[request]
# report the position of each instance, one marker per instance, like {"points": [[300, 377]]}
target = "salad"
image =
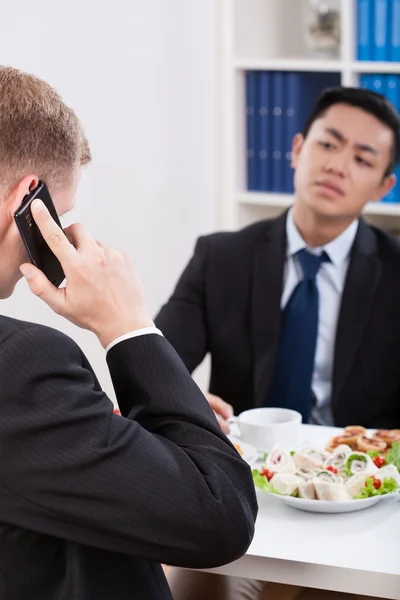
{"points": [[336, 475]]}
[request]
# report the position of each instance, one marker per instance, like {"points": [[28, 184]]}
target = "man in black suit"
{"points": [[91, 502], [334, 357]]}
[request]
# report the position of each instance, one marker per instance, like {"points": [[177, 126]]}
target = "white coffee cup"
{"points": [[264, 427]]}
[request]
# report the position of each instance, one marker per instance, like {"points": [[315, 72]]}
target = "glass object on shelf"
{"points": [[323, 29]]}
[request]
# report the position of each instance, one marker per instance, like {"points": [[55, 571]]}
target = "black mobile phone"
{"points": [[39, 252]]}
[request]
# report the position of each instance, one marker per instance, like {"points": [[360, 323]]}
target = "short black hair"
{"points": [[371, 102]]}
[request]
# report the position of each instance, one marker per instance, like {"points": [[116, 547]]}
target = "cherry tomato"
{"points": [[379, 461], [376, 482], [267, 473], [332, 469]]}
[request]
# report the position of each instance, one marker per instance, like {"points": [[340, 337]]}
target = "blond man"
{"points": [[91, 502]]}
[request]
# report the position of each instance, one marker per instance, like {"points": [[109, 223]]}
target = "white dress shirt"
{"points": [[330, 282], [132, 334]]}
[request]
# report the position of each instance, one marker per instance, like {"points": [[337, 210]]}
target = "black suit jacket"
{"points": [[92, 502], [227, 302]]}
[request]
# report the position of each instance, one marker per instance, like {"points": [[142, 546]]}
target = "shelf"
{"points": [[384, 209], [303, 64], [290, 64], [362, 66], [265, 199]]}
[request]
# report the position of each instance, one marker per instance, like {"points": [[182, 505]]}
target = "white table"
{"points": [[354, 552]]}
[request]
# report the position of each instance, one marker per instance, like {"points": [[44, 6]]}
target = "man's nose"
{"points": [[338, 164]]}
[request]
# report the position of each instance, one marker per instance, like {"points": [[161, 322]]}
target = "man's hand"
{"points": [[222, 410], [103, 292]]}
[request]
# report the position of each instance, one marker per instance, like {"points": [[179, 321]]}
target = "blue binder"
{"points": [[377, 83], [389, 85], [365, 29], [278, 132], [382, 38], [300, 95], [292, 116], [396, 189], [264, 120], [392, 92], [394, 195], [251, 129], [395, 31], [364, 82], [373, 82]]}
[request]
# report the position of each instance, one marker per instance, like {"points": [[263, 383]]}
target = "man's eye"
{"points": [[362, 161], [326, 145]]}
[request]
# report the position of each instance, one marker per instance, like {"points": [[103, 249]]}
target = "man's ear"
{"points": [[297, 145], [387, 184], [11, 202], [19, 191]]}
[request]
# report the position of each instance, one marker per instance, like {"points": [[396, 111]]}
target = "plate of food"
{"points": [[246, 451], [326, 506], [344, 477]]}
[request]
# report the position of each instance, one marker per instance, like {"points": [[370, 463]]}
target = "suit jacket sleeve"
{"points": [[183, 318], [163, 484]]}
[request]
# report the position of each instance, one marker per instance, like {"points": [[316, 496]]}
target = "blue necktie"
{"points": [[291, 384]]}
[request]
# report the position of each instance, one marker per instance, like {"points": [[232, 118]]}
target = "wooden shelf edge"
{"points": [[290, 64], [315, 65], [271, 200]]}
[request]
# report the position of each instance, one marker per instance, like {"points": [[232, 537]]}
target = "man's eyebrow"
{"points": [[336, 134], [341, 138]]}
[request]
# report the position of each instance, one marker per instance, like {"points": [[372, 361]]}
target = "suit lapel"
{"points": [[266, 291], [361, 284]]}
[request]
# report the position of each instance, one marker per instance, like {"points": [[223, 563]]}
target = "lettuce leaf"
{"points": [[262, 482], [388, 485], [393, 456], [373, 453]]}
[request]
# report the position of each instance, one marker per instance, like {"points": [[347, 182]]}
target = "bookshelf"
{"points": [[257, 35]]}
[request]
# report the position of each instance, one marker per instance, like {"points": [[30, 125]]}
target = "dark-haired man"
{"points": [[302, 311]]}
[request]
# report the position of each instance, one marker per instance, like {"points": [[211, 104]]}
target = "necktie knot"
{"points": [[310, 263]]}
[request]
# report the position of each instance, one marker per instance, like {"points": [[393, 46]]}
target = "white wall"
{"points": [[141, 76]]}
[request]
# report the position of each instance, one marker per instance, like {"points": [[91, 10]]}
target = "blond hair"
{"points": [[39, 134]]}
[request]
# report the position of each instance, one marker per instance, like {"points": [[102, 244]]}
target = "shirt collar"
{"points": [[338, 249]]}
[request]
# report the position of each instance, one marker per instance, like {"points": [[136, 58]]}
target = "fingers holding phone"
{"points": [[103, 292], [82, 240]]}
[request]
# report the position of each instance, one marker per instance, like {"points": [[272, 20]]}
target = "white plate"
{"points": [[325, 506], [250, 454]]}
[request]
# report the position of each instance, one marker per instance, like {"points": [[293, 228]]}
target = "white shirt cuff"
{"points": [[132, 334]]}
